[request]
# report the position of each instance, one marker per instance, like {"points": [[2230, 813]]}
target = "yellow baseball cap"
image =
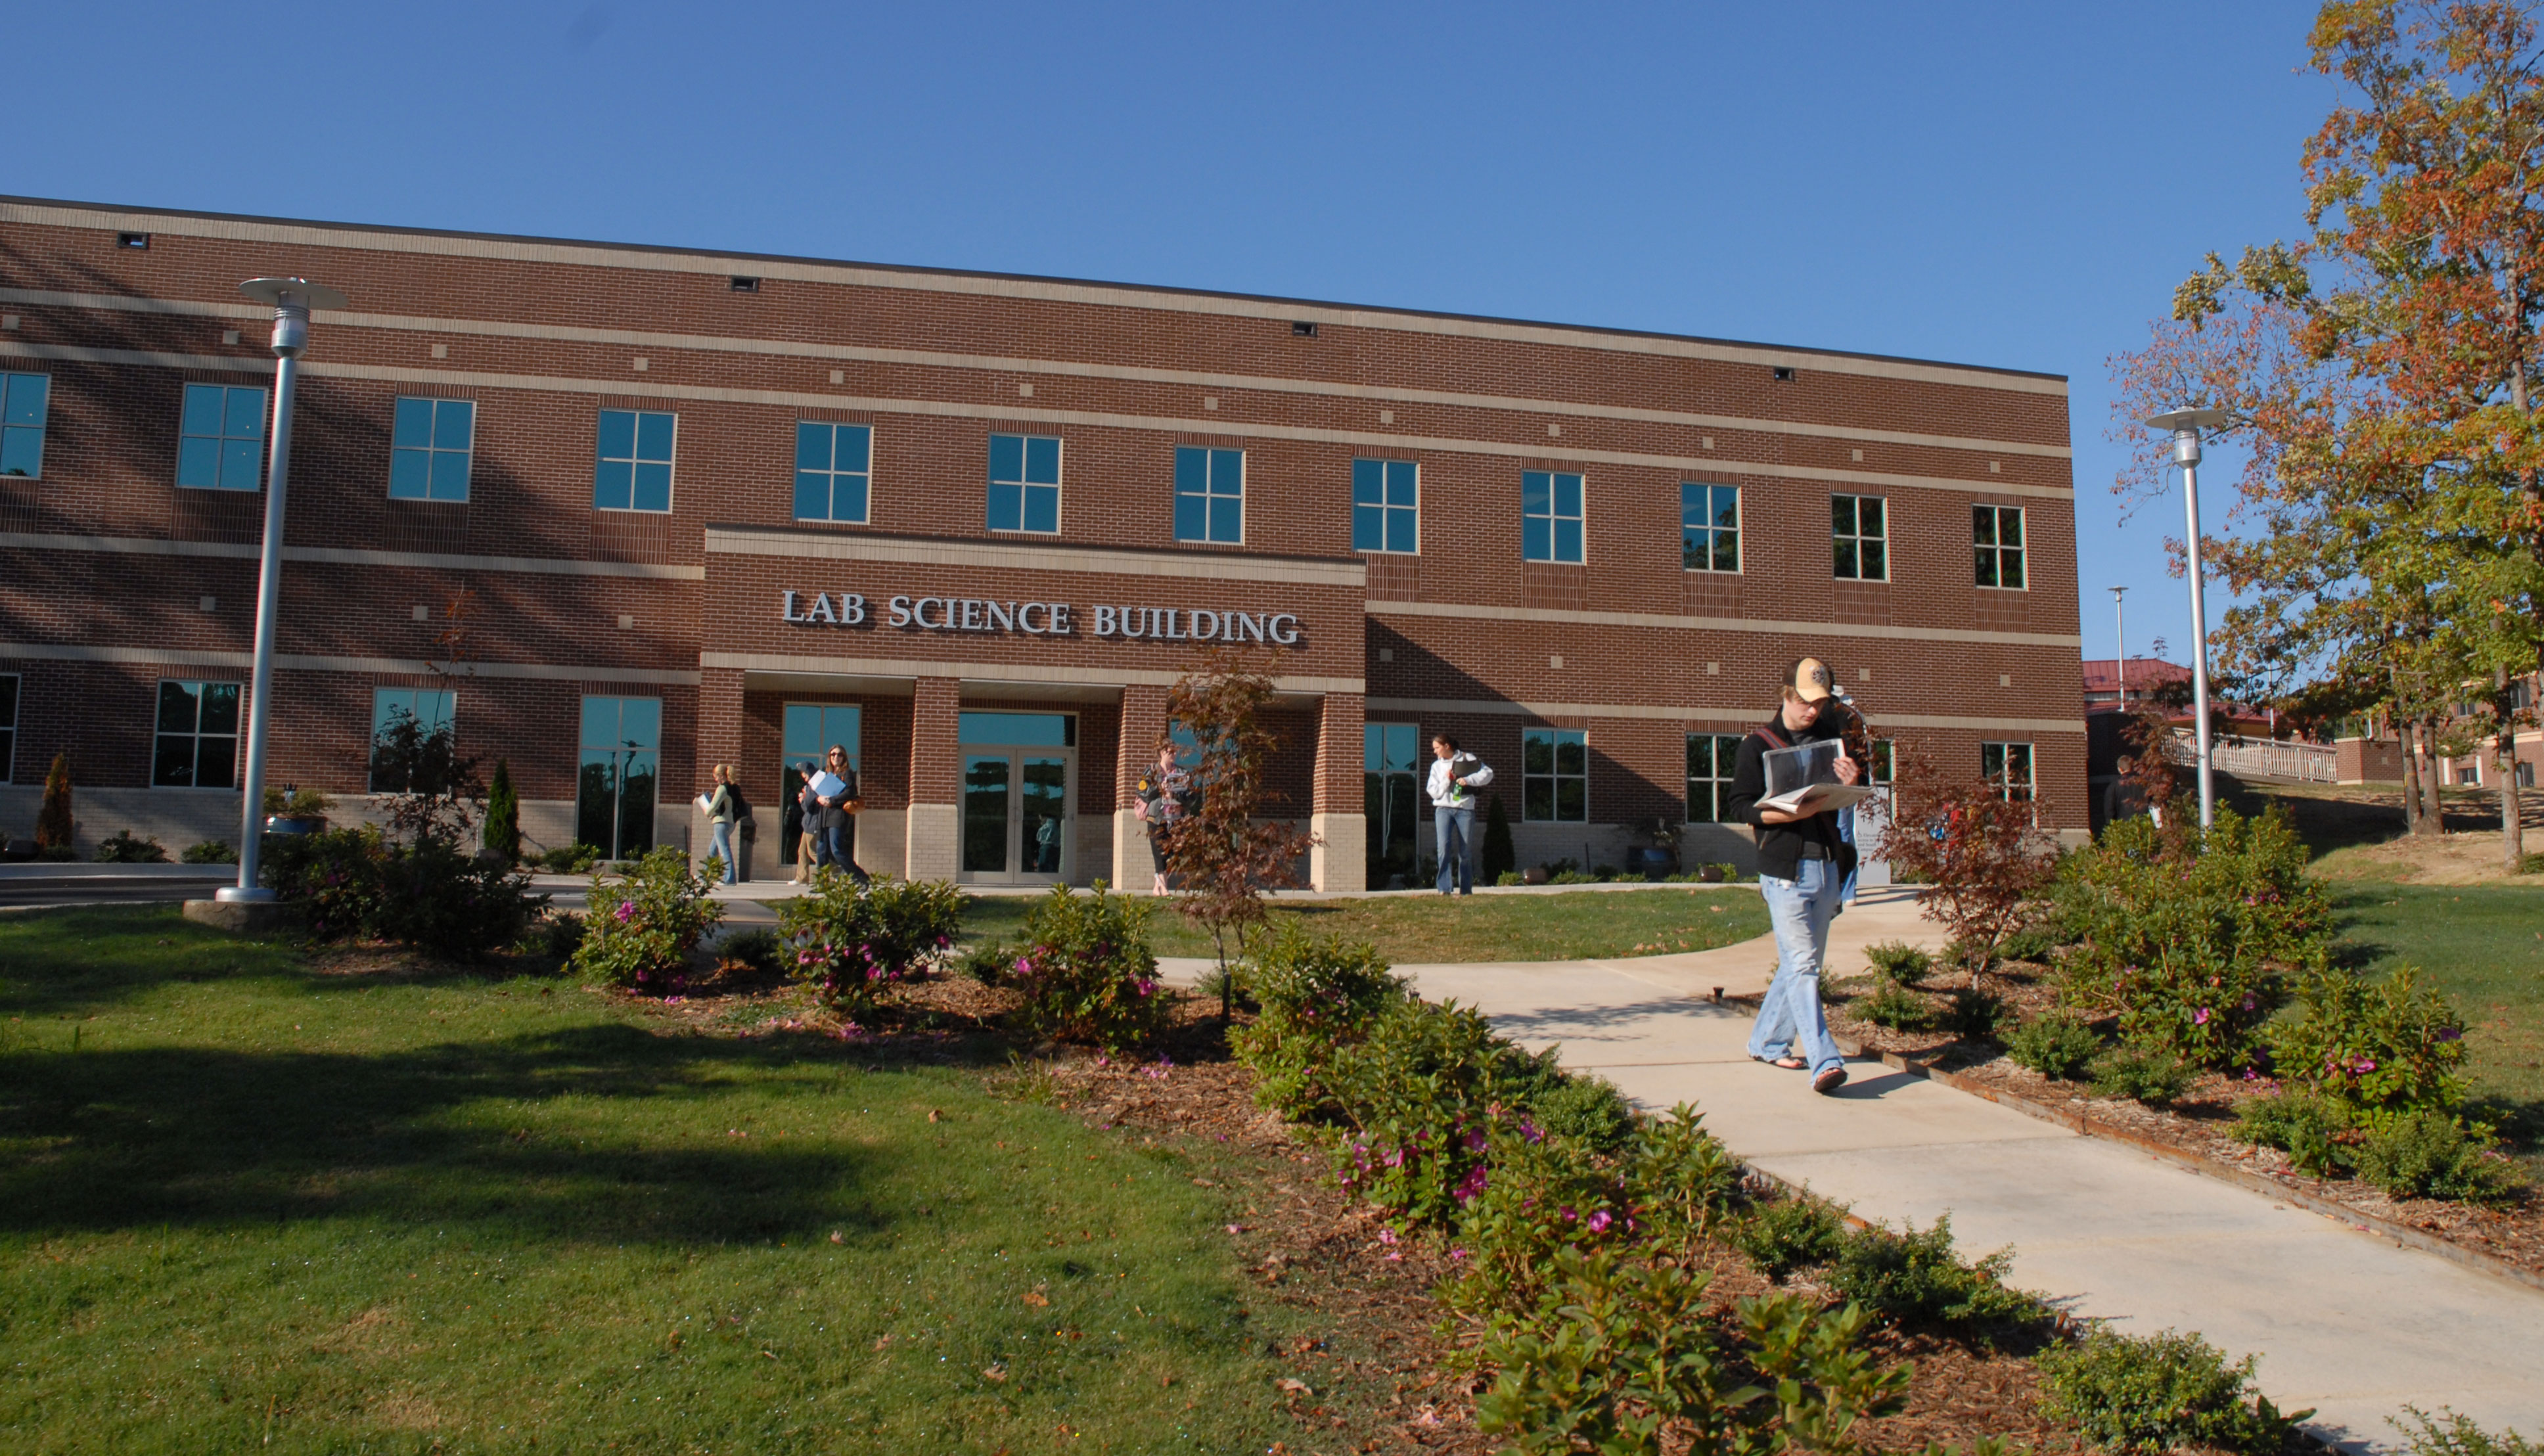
{"points": [[1810, 679]]}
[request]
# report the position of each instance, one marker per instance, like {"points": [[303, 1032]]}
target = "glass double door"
{"points": [[1015, 815]]}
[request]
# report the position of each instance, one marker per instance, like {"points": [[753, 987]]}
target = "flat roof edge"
{"points": [[719, 255]]}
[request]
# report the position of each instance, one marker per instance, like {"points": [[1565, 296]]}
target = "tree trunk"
{"points": [[2512, 828], [2405, 744], [2433, 785]]}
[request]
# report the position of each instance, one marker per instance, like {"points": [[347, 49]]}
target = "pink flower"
{"points": [[1457, 1253], [1387, 1236], [1599, 1222], [626, 910], [2200, 1018]]}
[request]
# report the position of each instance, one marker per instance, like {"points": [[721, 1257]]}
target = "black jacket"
{"points": [[1782, 848], [817, 816]]}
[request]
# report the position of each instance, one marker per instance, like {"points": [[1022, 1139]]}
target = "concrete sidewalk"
{"points": [[2343, 1321]]}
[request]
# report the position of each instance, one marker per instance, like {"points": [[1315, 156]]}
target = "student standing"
{"points": [[1166, 797], [724, 811], [1802, 865], [1453, 812]]}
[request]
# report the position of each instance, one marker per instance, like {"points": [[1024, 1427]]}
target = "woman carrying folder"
{"points": [[835, 814]]}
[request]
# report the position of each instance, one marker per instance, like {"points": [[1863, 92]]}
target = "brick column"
{"points": [[934, 850], [1339, 821], [717, 740], [1143, 722]]}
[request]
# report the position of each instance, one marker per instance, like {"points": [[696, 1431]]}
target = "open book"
{"points": [[1802, 779]]}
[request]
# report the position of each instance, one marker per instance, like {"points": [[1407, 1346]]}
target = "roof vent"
{"points": [[132, 240], [742, 285], [1304, 329], [1784, 375]]}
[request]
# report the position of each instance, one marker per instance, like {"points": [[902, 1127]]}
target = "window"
{"points": [[2468, 775], [1390, 775], [1554, 775], [1210, 495], [622, 740], [1024, 483], [1386, 499], [429, 708], [22, 423], [806, 731], [1886, 760], [1710, 758], [220, 442], [429, 449], [1995, 532], [1708, 517], [8, 727], [1863, 532], [2525, 766], [1550, 516], [634, 472], [197, 744], [2008, 768], [834, 465]]}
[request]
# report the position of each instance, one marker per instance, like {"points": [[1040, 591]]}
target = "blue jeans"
{"points": [[720, 846], [1801, 909], [1454, 832], [838, 846]]}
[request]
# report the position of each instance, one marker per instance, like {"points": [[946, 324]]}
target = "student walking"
{"points": [[1802, 865], [836, 817], [1166, 797], [802, 823], [724, 811], [1454, 778]]}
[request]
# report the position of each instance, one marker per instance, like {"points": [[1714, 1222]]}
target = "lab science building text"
{"points": [[621, 513]]}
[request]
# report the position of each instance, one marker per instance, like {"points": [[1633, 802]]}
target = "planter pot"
{"points": [[1710, 874], [18, 851], [1534, 874], [296, 824], [1657, 864]]}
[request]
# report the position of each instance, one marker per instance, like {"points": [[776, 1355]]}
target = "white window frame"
{"points": [[1711, 530], [43, 417], [1384, 507], [2018, 554], [432, 451], [1859, 537], [2028, 790], [1556, 737]]}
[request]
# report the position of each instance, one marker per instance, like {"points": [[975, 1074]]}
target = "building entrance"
{"points": [[1019, 797]]}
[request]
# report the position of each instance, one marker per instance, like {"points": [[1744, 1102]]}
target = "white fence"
{"points": [[2252, 758]]}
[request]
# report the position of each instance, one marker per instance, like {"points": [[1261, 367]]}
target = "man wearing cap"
{"points": [[1803, 863]]}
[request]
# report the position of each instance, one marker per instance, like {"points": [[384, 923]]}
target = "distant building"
{"points": [[2110, 690]]}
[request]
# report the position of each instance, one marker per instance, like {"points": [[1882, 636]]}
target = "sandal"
{"points": [[1789, 1064]]}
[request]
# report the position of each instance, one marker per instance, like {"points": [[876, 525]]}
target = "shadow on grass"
{"points": [[198, 1136]]}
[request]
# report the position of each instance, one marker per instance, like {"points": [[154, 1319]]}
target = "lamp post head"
{"points": [[2185, 426], [293, 298]]}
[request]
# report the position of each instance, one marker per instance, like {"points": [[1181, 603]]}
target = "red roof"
{"points": [[2144, 671]]}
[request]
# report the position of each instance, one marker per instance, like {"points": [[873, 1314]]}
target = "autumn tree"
{"points": [[1977, 847], [1225, 852]]}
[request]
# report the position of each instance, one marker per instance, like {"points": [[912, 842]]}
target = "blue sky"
{"points": [[2017, 185]]}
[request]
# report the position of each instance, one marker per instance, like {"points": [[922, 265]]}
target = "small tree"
{"points": [[502, 834], [1500, 857], [1974, 846], [1227, 857], [431, 790], [53, 824]]}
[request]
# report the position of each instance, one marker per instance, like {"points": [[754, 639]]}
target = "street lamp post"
{"points": [[291, 298], [2184, 427], [2120, 644]]}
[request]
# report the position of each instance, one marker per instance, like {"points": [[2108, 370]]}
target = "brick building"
{"points": [[620, 512]]}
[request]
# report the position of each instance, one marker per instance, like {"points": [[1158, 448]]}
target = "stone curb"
{"points": [[2287, 1190]]}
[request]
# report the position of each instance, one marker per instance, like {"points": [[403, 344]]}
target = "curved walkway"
{"points": [[2345, 1322]]}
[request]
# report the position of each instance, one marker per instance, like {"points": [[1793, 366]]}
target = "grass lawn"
{"points": [[2484, 947], [1432, 929], [247, 1205]]}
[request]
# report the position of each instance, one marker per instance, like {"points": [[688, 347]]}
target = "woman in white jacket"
{"points": [[1454, 778]]}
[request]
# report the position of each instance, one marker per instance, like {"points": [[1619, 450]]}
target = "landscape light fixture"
{"points": [[2120, 643], [291, 298], [2184, 427]]}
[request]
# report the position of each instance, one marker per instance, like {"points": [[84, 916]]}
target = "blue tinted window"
{"points": [[634, 471], [220, 443], [1550, 516], [429, 444], [1024, 730], [430, 710], [1709, 526], [1386, 506], [22, 423], [1210, 495], [812, 728], [616, 783], [1024, 483], [831, 470]]}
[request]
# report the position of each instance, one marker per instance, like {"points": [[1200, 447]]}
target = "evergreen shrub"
{"points": [[2158, 1392], [851, 941], [1087, 972], [642, 926]]}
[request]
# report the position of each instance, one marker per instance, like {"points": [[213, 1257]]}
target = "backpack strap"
{"points": [[1775, 738]]}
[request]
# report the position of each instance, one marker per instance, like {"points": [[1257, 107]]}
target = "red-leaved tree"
{"points": [[1975, 846], [1225, 852]]}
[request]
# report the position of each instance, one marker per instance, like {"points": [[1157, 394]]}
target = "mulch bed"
{"points": [[1394, 1367], [2197, 1125]]}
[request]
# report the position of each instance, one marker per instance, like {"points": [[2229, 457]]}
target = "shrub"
{"points": [[1497, 858], [1917, 1278], [1899, 1009], [1978, 847], [2305, 1125], [2186, 937], [1680, 1179], [298, 803], [1587, 1109], [1900, 961], [121, 848], [54, 827], [641, 928], [570, 860], [2430, 1155], [851, 941], [2158, 1392], [1572, 878], [2157, 1079], [210, 851], [1087, 972], [1509, 877], [1789, 1234], [1975, 1014], [337, 877], [1421, 1094], [1529, 1195], [2056, 1045], [2377, 1049], [554, 935], [2033, 943], [988, 962], [503, 833], [1313, 992], [756, 951], [354, 883], [1623, 1356], [2457, 1435]]}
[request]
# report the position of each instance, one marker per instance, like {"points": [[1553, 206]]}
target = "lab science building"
{"points": [[620, 513]]}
